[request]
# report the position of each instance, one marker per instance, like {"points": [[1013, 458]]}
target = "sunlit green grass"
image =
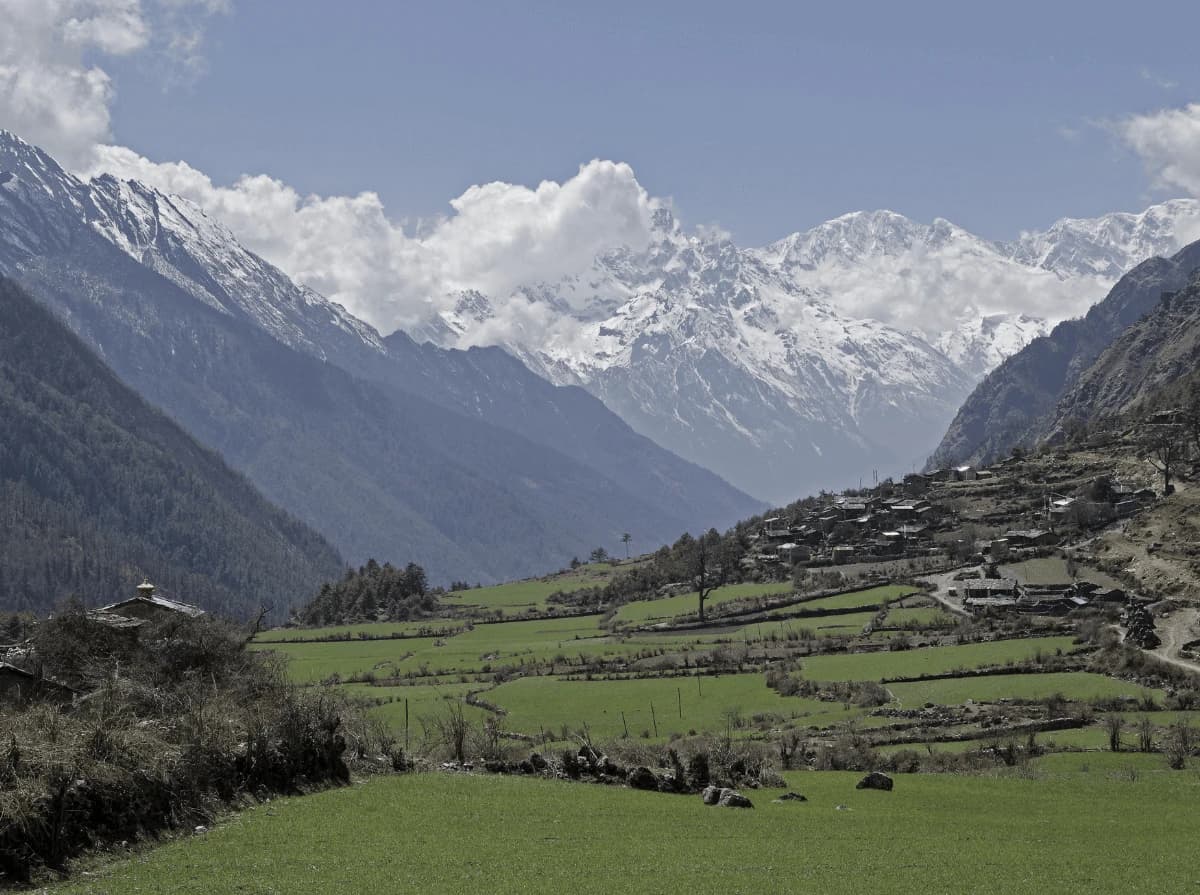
{"points": [[872, 596], [918, 616], [642, 611], [680, 704], [516, 597], [1114, 763], [484, 648], [425, 702], [1072, 685], [367, 629], [1065, 832], [929, 660]]}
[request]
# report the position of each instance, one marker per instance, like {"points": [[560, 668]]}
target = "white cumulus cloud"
{"points": [[53, 93], [498, 237], [1168, 142]]}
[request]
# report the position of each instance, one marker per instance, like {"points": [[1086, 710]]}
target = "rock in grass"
{"points": [[731, 798], [642, 778], [791, 797], [876, 780]]}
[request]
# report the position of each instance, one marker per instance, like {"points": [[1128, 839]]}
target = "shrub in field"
{"points": [[165, 730], [1178, 746]]}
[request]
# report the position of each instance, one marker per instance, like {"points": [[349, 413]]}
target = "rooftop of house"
{"points": [[13, 670], [1008, 584], [146, 596], [113, 620]]}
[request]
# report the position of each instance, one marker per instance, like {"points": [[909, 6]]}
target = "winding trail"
{"points": [[1180, 628]]}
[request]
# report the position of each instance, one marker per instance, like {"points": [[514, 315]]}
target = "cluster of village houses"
{"points": [[901, 521], [22, 676], [984, 593]]}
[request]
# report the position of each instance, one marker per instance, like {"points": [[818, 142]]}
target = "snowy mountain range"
{"points": [[463, 461], [814, 362], [820, 359]]}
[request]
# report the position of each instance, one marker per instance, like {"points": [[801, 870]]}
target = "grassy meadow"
{"points": [[640, 612], [680, 705], [991, 688], [517, 597], [1074, 824], [929, 660]]}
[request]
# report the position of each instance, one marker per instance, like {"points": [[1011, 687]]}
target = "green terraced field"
{"points": [[519, 596], [1112, 765], [1067, 831], [366, 629], [952, 746], [546, 703], [918, 616], [486, 647], [1053, 570], [642, 611], [930, 660], [872, 596], [1072, 685], [425, 701]]}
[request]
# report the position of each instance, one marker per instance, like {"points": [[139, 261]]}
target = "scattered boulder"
{"points": [[711, 795], [792, 797], [876, 780], [731, 798], [642, 778]]}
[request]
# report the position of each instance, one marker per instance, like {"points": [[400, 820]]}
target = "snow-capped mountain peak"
{"points": [[174, 237], [1110, 245], [826, 354]]}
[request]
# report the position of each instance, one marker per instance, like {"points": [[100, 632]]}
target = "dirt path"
{"points": [[942, 583], [1175, 631]]}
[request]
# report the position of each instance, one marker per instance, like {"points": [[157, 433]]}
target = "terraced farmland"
{"points": [[652, 707], [517, 597]]}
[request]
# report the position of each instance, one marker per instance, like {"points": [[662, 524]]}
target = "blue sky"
{"points": [[763, 118]]}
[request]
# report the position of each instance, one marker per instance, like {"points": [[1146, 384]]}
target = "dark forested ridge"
{"points": [[372, 593], [98, 488]]}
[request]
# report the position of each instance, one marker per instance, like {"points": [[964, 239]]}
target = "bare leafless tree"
{"points": [[452, 728], [1145, 732], [1178, 745], [256, 626], [708, 571], [1165, 447], [1113, 725]]}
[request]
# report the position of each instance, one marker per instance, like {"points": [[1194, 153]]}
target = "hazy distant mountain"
{"points": [[814, 360], [463, 461], [1018, 402], [100, 489]]}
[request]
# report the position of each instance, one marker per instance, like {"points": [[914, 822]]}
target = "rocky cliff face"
{"points": [[1018, 402], [1158, 351]]}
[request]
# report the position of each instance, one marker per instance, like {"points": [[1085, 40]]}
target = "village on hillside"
{"points": [[992, 524]]}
